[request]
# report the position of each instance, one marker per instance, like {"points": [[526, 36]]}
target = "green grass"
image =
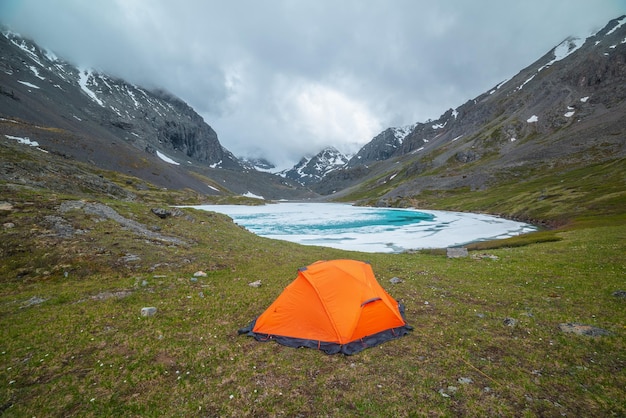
{"points": [[73, 342]]}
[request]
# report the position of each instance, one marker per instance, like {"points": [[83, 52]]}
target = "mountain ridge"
{"points": [[540, 115], [105, 121]]}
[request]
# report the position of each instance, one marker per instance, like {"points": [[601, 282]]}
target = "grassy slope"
{"points": [[86, 351]]}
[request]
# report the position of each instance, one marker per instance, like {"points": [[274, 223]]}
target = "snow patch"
{"points": [[36, 72], [564, 49], [569, 114], [527, 81], [401, 133], [82, 81], [27, 84], [253, 196], [166, 158], [532, 119], [619, 25], [30, 51], [24, 141], [498, 86], [584, 99]]}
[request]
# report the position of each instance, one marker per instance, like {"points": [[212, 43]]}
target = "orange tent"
{"points": [[334, 306]]}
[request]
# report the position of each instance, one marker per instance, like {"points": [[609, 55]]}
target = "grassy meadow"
{"points": [[486, 338]]}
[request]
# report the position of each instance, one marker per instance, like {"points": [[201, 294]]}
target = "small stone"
{"points": [[455, 252], [510, 322], [161, 213], [255, 284], [581, 329], [144, 283], [148, 311], [194, 280], [620, 294], [8, 225], [6, 206], [395, 280], [129, 258], [199, 273], [465, 380], [35, 300]]}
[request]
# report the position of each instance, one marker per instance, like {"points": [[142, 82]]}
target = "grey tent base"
{"points": [[350, 348]]}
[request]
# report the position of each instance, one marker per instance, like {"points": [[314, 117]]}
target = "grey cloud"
{"points": [[261, 72]]}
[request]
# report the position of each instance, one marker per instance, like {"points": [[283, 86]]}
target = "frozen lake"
{"points": [[366, 229]]}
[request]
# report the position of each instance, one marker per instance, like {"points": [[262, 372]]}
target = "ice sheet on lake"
{"points": [[368, 229]]}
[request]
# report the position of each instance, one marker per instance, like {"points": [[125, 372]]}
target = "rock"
{"points": [[620, 294], [255, 284], [455, 252], [395, 280], [581, 329], [60, 227], [487, 256], [161, 213], [465, 380], [199, 273], [148, 311], [129, 257], [6, 206], [35, 300], [8, 225], [510, 322]]}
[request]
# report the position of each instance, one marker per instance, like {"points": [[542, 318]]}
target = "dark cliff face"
{"points": [[382, 146], [37, 86]]}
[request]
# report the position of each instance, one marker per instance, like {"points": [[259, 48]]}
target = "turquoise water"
{"points": [[363, 220], [368, 229]]}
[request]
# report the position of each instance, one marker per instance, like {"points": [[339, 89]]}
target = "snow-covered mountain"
{"points": [[152, 120], [569, 105], [312, 169], [259, 164], [89, 116]]}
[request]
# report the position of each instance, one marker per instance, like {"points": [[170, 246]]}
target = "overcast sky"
{"points": [[282, 79]]}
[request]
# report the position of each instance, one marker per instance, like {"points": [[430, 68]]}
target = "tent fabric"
{"points": [[334, 306]]}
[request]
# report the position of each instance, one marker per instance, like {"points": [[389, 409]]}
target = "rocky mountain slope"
{"points": [[92, 117], [566, 108]]}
